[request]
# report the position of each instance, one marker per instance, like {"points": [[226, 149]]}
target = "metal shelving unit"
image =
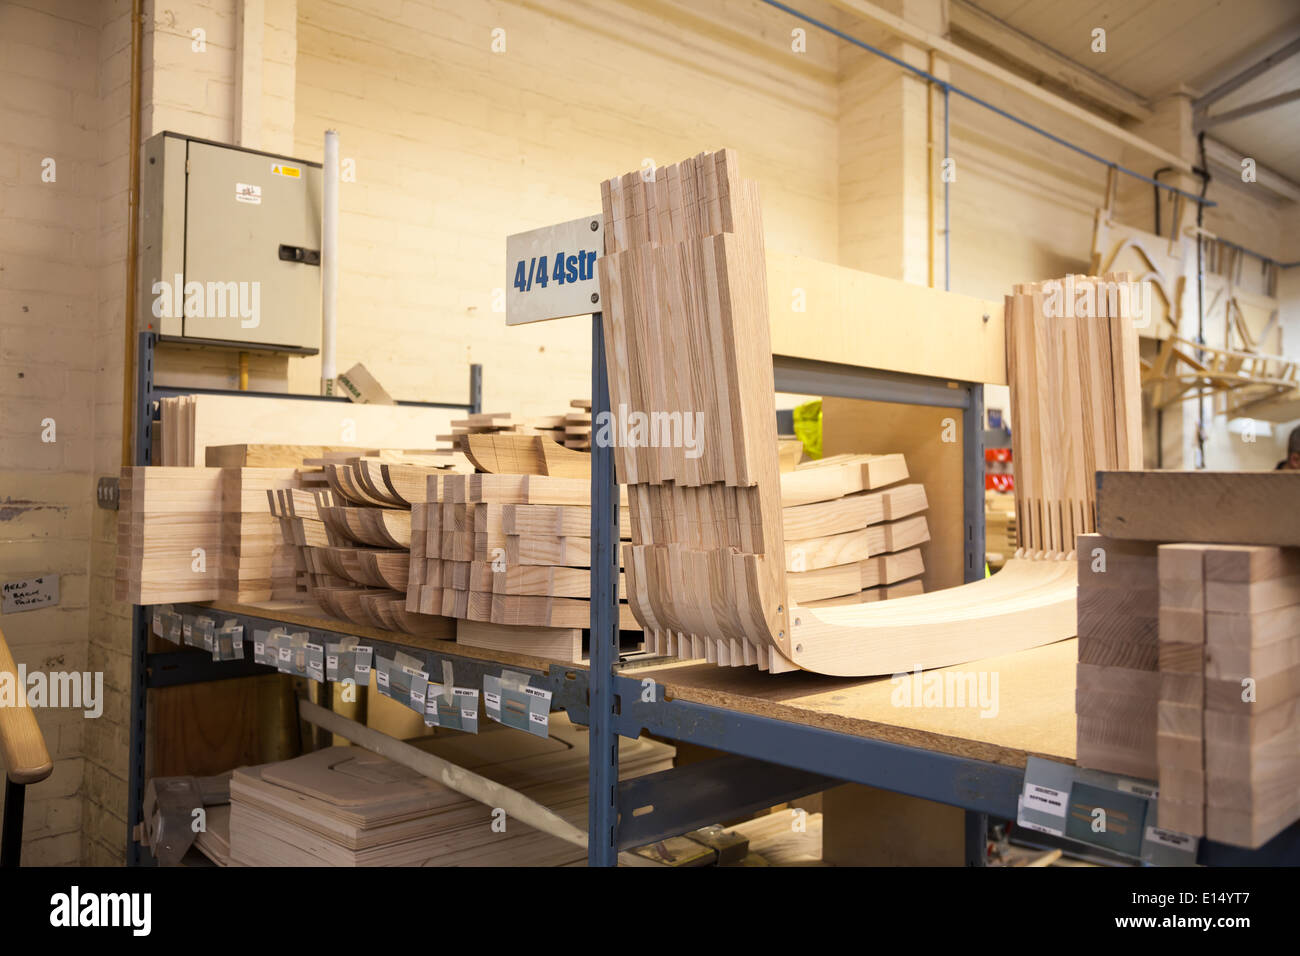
{"points": [[170, 669], [769, 761]]}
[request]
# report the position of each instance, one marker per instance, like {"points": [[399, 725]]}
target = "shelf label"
{"points": [[1046, 800], [551, 272]]}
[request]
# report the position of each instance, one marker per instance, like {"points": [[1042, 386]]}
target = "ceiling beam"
{"points": [[1228, 158], [970, 20], [955, 54], [1245, 76], [1250, 109]]}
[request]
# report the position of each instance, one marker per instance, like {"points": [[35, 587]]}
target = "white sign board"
{"points": [[30, 593], [551, 272]]}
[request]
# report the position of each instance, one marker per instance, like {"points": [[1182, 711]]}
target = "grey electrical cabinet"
{"points": [[229, 245]]}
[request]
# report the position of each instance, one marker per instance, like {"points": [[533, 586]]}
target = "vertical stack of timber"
{"points": [[256, 563], [1224, 709], [176, 432], [683, 281], [1065, 370], [847, 542], [169, 534], [1118, 670], [1229, 709]]}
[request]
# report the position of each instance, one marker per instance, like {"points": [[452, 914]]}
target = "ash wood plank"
{"points": [[1254, 508]]}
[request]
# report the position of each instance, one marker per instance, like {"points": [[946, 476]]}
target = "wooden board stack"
{"points": [[554, 427], [1224, 706], [354, 540], [577, 425], [687, 337], [190, 424], [256, 563], [860, 546], [1088, 419], [176, 431], [512, 555], [1229, 706], [169, 535], [345, 806], [1000, 541], [687, 341], [1118, 675]]}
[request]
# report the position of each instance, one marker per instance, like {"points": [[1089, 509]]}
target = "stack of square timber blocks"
{"points": [[509, 556], [1207, 702]]}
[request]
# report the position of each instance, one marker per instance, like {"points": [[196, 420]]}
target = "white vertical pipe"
{"points": [[329, 263]]}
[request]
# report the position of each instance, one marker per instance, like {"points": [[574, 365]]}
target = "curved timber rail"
{"points": [[687, 339]]}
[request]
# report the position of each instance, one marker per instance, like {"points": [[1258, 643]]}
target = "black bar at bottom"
{"points": [[11, 840]]}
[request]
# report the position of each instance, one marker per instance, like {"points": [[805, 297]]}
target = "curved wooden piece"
{"points": [[394, 528], [507, 453], [341, 483], [368, 475], [392, 568], [409, 483], [355, 564], [1026, 604], [421, 625], [22, 746], [375, 606]]}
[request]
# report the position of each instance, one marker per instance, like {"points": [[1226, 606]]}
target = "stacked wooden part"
{"points": [[553, 427], [345, 806], [1218, 720], [509, 556], [684, 286], [1118, 670], [1000, 540], [169, 525], [507, 453], [577, 425], [355, 540], [1228, 740], [688, 343], [257, 564], [1075, 401], [847, 542], [176, 431]]}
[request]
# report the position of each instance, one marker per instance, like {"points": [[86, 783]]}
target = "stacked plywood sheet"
{"points": [[169, 534], [1118, 674], [256, 563], [859, 545], [348, 807]]}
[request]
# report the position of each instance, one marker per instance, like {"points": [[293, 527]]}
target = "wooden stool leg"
{"points": [[11, 840]]}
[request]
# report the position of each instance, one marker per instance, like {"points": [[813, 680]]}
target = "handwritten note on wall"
{"points": [[30, 593]]}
